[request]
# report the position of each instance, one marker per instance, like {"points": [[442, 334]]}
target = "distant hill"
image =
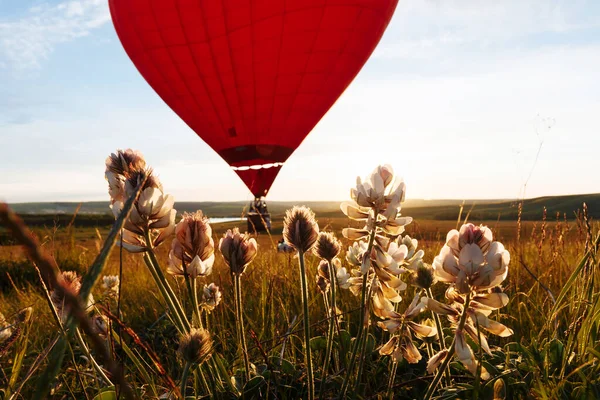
{"points": [[98, 212]]}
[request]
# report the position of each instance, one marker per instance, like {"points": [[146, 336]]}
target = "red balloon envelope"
{"points": [[251, 77]]}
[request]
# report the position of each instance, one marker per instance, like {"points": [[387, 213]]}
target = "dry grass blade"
{"points": [[136, 339], [78, 315]]}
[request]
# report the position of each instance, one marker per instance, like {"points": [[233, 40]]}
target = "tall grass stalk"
{"points": [[307, 352]]}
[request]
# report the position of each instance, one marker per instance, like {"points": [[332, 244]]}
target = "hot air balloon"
{"points": [[251, 77]]}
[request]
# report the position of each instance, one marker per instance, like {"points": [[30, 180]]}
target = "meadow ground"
{"points": [[554, 311]]}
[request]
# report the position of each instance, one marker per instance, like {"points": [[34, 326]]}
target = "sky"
{"points": [[470, 99]]}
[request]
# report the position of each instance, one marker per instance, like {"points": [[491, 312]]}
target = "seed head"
{"points": [[238, 250], [424, 278], [327, 246], [300, 229], [195, 346]]}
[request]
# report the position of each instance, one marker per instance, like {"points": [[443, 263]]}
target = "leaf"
{"points": [[253, 385], [318, 343], [107, 394]]}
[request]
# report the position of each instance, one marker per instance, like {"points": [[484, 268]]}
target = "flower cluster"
{"points": [[110, 287], [71, 283], [153, 215], [5, 330], [470, 260], [474, 265], [211, 297], [238, 250], [193, 248], [401, 345]]}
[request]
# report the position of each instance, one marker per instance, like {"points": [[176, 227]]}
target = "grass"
{"points": [[554, 310]]}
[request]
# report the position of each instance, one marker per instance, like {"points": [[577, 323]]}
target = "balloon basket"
{"points": [[258, 222]]}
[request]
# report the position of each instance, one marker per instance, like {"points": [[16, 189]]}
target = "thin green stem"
{"points": [[237, 282], [307, 352], [438, 325], [184, 378], [390, 393], [192, 289], [161, 277], [365, 339], [90, 357], [451, 350], [366, 260], [177, 318], [331, 315]]}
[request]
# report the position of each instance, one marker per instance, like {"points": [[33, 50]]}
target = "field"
{"points": [[553, 311]]}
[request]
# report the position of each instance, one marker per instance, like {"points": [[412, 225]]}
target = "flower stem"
{"points": [[366, 260], [451, 350], [365, 338], [438, 325], [390, 393], [163, 280], [90, 357], [237, 283], [184, 378], [192, 290], [307, 353], [331, 315], [177, 318]]}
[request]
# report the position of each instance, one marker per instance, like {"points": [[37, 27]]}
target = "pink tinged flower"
{"points": [[439, 308], [470, 258], [354, 211], [466, 356], [492, 300], [388, 348], [410, 351], [356, 252], [132, 243], [415, 307], [452, 242], [211, 297], [435, 361], [422, 330], [200, 268], [445, 265], [343, 278], [481, 236], [238, 250], [492, 326], [355, 234], [478, 337], [395, 226]]}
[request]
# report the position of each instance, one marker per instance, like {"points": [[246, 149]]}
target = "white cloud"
{"points": [[428, 29], [26, 42]]}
